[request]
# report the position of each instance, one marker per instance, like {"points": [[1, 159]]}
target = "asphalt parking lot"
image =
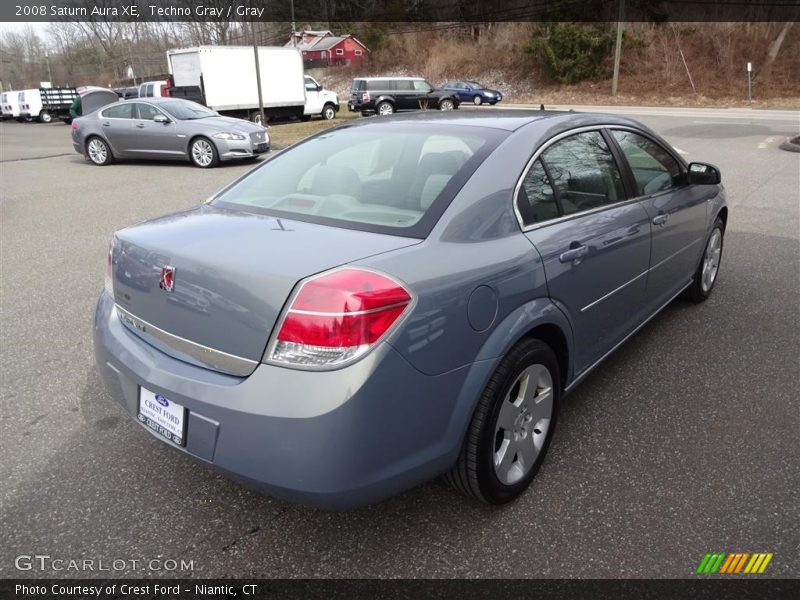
{"points": [[686, 441]]}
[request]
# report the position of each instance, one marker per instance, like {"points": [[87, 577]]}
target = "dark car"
{"points": [[386, 95], [405, 297], [472, 91]]}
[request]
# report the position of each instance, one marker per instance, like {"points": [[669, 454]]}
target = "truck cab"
{"points": [[319, 101]]}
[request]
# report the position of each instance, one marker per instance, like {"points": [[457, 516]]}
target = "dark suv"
{"points": [[385, 95]]}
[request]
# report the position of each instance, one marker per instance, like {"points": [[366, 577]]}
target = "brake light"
{"points": [[337, 317], [365, 97], [73, 125], [109, 280], [165, 90]]}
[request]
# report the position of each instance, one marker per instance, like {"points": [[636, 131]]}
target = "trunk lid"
{"points": [[233, 272]]}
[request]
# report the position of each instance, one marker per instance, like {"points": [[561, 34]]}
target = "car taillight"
{"points": [[337, 317], [165, 90], [365, 97], [109, 280], [73, 125]]}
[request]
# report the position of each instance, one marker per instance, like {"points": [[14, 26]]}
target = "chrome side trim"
{"points": [[612, 292], [590, 368], [640, 275], [216, 359]]}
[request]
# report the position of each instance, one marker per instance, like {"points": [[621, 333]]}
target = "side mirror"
{"points": [[159, 118], [704, 174]]}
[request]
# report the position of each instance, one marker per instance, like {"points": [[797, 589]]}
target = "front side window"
{"points": [[420, 85], [654, 169], [384, 179], [119, 111], [583, 173], [147, 112]]}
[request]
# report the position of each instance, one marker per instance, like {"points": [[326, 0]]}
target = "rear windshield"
{"points": [[395, 179]]}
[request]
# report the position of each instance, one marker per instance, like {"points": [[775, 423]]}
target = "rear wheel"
{"points": [[98, 151], [477, 100], [384, 108], [512, 426], [45, 117], [203, 153], [447, 104], [706, 274], [328, 112]]}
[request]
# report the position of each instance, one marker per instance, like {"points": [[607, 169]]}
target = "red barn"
{"points": [[323, 49]]}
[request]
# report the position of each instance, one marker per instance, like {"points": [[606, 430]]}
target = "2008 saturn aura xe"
{"points": [[401, 298]]}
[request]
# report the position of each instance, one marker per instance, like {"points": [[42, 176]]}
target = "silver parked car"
{"points": [[400, 298], [166, 128]]}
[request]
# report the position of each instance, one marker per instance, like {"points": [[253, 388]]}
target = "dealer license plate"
{"points": [[165, 417]]}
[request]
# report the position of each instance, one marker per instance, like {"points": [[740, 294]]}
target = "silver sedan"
{"points": [[166, 128]]}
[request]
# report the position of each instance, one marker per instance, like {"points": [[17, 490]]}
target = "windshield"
{"points": [[184, 110], [388, 179]]}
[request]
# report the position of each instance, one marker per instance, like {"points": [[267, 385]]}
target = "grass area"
{"points": [[285, 134]]}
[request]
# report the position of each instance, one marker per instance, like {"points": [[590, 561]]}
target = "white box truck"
{"points": [[223, 78]]}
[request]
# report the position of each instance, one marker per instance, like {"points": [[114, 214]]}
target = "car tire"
{"points": [[203, 153], [98, 151], [305, 118], [706, 274], [255, 117], [366, 113], [328, 112], [477, 100], [506, 441], [45, 117], [384, 108], [447, 104]]}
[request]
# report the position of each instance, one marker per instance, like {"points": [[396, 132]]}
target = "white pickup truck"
{"points": [[319, 101]]}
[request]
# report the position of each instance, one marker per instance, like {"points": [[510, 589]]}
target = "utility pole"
{"points": [[618, 49], [258, 76], [294, 39], [49, 73]]}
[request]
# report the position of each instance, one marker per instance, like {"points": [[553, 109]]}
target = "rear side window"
{"points": [[120, 111], [359, 85], [395, 180], [583, 173], [654, 169], [381, 85], [536, 199], [403, 85]]}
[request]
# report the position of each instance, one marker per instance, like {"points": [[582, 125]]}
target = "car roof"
{"points": [[505, 119], [387, 77]]}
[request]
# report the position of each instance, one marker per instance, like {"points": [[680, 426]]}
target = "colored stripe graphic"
{"points": [[734, 563]]}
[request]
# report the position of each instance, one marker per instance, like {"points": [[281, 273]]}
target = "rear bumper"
{"points": [[335, 439]]}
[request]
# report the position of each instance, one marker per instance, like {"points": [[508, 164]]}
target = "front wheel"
{"points": [[328, 113], [477, 100], [45, 117], [706, 274], [203, 153], [447, 104], [98, 151], [511, 427]]}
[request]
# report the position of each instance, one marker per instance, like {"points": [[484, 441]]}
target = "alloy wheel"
{"points": [[711, 260], [522, 424], [202, 153], [98, 151], [446, 105], [477, 100]]}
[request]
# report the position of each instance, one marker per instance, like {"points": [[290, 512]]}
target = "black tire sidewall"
{"points": [[526, 354]]}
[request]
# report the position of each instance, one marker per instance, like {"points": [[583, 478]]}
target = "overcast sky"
{"points": [[40, 27]]}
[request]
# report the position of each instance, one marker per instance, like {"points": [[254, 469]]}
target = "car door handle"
{"points": [[106, 124], [660, 219], [573, 255], [140, 125]]}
